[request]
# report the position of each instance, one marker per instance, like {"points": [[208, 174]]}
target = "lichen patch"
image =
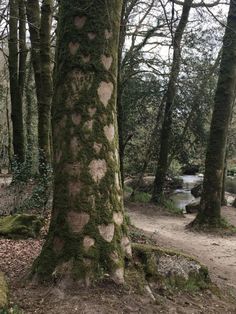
{"points": [[115, 257], [88, 243], [76, 118], [92, 35], [80, 21], [86, 59], [106, 61], [107, 232], [58, 244], [105, 91], [109, 131], [73, 48], [92, 111], [126, 246], [97, 147], [118, 218], [117, 181], [108, 34], [74, 146], [77, 221], [97, 169], [74, 188], [118, 276], [89, 125]]}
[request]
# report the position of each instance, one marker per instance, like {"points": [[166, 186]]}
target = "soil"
{"points": [[218, 253]]}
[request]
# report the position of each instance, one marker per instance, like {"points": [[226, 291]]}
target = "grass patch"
{"points": [[170, 206], [141, 197], [216, 226]]}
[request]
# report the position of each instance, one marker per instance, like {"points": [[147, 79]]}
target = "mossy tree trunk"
{"points": [[88, 235], [210, 206], [15, 89], [40, 31], [169, 97], [46, 91]]}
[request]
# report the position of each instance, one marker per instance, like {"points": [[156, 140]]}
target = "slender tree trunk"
{"points": [[120, 116], [15, 92], [29, 93], [210, 212], [9, 146], [161, 171], [40, 29], [44, 126], [87, 236]]}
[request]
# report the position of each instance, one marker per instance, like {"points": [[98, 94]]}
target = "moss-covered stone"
{"points": [[170, 269], [22, 225], [3, 292]]}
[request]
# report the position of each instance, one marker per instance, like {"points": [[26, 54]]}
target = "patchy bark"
{"points": [[86, 235]]}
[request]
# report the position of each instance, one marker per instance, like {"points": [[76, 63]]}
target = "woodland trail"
{"points": [[217, 252]]}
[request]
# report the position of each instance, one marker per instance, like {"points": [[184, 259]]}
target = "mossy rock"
{"points": [[20, 226], [3, 292], [171, 270]]}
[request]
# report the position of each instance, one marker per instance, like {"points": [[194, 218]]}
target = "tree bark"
{"points": [[40, 29], [210, 206], [15, 91], [88, 235], [46, 89], [161, 171]]}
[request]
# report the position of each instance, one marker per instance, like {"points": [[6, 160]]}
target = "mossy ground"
{"points": [[20, 226]]}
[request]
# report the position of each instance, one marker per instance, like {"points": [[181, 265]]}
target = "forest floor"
{"points": [[218, 253]]}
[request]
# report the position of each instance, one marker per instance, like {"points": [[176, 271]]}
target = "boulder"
{"points": [[192, 207], [170, 269], [3, 292], [20, 226], [196, 191], [190, 170]]}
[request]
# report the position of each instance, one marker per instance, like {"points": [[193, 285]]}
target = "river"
{"points": [[183, 196]]}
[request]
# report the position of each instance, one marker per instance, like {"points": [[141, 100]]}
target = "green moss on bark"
{"points": [[85, 240]]}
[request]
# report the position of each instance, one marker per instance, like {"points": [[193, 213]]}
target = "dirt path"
{"points": [[216, 252]]}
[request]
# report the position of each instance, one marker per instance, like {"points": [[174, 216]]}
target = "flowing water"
{"points": [[183, 196]]}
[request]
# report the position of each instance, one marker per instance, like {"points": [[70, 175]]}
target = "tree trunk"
{"points": [[44, 125], [210, 212], [161, 171], [40, 29], [15, 92], [87, 236]]}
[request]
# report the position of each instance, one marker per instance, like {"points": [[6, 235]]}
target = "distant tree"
{"points": [[17, 62], [40, 26], [88, 235], [169, 99], [210, 206]]}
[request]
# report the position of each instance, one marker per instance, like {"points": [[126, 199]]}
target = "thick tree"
{"points": [[210, 206], [88, 235]]}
